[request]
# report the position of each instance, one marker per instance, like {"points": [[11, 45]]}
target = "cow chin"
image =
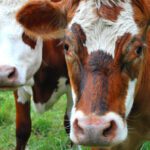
{"points": [[104, 131]]}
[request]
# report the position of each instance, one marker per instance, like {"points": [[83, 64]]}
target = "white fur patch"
{"points": [[101, 34], [74, 97], [24, 94], [130, 96], [62, 89]]}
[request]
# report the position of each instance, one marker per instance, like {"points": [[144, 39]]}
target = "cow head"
{"points": [[103, 69], [21, 55], [103, 88]]}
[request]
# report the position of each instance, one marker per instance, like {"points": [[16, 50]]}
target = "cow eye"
{"points": [[139, 50], [66, 47]]}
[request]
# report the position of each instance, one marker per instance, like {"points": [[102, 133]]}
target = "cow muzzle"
{"points": [[8, 76], [103, 131]]}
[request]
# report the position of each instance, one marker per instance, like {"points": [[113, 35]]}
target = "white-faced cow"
{"points": [[20, 59], [103, 93]]}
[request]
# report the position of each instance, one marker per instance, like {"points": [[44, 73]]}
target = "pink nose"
{"points": [[8, 75], [94, 130]]}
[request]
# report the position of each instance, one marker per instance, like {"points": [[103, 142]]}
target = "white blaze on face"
{"points": [[130, 96], [13, 51], [101, 34]]}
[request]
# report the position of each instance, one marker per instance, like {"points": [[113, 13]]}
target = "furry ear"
{"points": [[43, 18]]}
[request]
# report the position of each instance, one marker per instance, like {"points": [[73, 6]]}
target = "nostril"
{"points": [[77, 127], [111, 129], [12, 73]]}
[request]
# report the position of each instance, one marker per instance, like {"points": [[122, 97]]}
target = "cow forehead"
{"points": [[101, 33]]}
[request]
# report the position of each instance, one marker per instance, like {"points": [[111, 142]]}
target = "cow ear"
{"points": [[43, 18]]}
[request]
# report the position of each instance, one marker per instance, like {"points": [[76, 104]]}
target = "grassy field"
{"points": [[47, 129]]}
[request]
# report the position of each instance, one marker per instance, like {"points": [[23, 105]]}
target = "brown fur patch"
{"points": [[78, 33], [103, 86], [141, 12], [109, 12], [120, 48], [42, 17], [80, 38], [26, 39], [23, 123], [129, 54], [75, 55], [71, 6]]}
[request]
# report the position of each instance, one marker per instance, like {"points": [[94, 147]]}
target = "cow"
{"points": [[31, 67], [102, 97]]}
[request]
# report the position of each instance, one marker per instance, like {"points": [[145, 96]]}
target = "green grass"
{"points": [[48, 132], [47, 129]]}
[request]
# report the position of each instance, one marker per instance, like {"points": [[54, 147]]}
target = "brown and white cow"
{"points": [[31, 67], [103, 96]]}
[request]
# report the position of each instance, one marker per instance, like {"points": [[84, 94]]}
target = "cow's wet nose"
{"points": [[90, 131], [8, 75]]}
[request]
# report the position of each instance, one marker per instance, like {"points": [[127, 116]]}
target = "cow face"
{"points": [[103, 94], [103, 84], [103, 88], [20, 55]]}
